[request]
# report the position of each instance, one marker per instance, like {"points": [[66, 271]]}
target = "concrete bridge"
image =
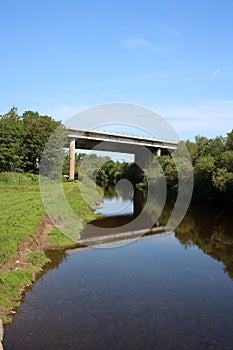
{"points": [[142, 147]]}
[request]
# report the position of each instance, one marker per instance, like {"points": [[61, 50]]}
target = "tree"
{"points": [[229, 141], [223, 180], [202, 145], [163, 167], [226, 160], [192, 148], [11, 142], [215, 148], [37, 130], [53, 156], [23, 139], [203, 185]]}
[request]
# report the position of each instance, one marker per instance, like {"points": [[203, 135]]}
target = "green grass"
{"points": [[38, 259], [60, 240], [87, 199], [10, 282], [18, 178], [21, 211], [13, 283]]}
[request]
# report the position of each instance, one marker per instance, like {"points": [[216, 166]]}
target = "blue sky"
{"points": [[176, 57]]}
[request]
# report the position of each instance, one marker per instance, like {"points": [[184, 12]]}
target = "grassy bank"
{"points": [[22, 212]]}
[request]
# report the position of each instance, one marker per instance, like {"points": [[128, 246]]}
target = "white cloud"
{"points": [[136, 42], [209, 118]]}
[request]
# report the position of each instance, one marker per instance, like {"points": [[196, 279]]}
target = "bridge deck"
{"points": [[87, 139]]}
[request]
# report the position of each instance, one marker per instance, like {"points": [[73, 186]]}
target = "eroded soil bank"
{"points": [[39, 243], [30, 258]]}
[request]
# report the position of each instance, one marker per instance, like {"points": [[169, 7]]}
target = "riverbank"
{"points": [[26, 231]]}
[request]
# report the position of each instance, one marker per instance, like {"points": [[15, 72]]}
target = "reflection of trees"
{"points": [[122, 190], [213, 235], [57, 256], [110, 192]]}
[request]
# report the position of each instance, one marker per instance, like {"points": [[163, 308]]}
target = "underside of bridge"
{"points": [[143, 154]]}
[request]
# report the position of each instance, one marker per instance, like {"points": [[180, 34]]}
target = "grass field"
{"points": [[21, 211]]}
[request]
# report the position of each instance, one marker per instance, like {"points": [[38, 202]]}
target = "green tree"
{"points": [[111, 172], [37, 129], [226, 160], [229, 141], [223, 180], [11, 142], [192, 148], [202, 145], [203, 172], [53, 156]]}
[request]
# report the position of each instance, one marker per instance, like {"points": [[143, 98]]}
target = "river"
{"points": [[171, 290]]}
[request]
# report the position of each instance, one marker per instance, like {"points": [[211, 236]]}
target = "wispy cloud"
{"points": [[135, 42], [216, 72], [169, 32], [209, 118]]}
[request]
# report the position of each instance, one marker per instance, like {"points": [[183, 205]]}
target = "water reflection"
{"points": [[124, 217], [152, 294], [213, 234], [122, 199], [210, 232], [115, 205], [161, 292]]}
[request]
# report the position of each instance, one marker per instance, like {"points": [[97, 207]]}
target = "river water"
{"points": [[172, 290]]}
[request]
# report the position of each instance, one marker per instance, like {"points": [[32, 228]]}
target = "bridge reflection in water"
{"points": [[118, 228]]}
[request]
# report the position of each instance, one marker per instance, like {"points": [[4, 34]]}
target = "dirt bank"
{"points": [[20, 261], [39, 243]]}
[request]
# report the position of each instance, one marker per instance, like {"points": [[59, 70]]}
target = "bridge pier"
{"points": [[72, 159], [143, 158]]}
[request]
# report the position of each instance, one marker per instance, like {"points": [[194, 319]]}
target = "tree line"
{"points": [[22, 140], [212, 162]]}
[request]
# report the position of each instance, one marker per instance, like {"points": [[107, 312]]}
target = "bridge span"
{"points": [[120, 143]]}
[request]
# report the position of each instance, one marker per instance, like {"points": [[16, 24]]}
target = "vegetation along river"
{"points": [[167, 290]]}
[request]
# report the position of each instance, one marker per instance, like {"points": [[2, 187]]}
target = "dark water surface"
{"points": [[167, 291]]}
